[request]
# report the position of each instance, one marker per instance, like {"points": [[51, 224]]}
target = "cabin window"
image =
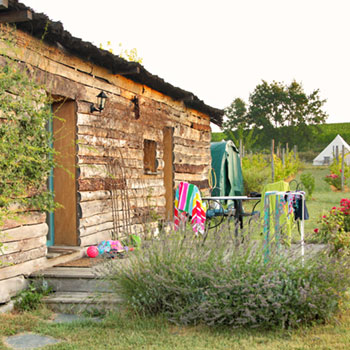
{"points": [[149, 156]]}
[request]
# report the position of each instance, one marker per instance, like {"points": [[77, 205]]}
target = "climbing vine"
{"points": [[26, 157]]}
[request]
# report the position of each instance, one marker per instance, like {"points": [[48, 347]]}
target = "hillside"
{"points": [[324, 134]]}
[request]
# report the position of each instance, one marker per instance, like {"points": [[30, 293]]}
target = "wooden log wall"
{"points": [[117, 133], [24, 250]]}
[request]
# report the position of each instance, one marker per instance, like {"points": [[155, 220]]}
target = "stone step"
{"points": [[79, 302], [72, 279]]}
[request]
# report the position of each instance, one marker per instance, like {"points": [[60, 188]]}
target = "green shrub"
{"points": [[308, 156], [308, 181], [256, 172], [31, 297], [334, 228], [290, 167], [335, 168], [221, 284]]}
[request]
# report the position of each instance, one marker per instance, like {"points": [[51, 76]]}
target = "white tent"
{"points": [[327, 155]]}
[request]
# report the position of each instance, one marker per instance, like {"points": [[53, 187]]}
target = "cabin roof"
{"points": [[53, 33]]}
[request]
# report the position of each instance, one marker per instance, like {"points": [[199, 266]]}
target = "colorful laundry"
{"points": [[284, 219], [188, 202]]}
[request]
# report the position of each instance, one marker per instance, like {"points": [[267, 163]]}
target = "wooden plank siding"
{"points": [[114, 134]]}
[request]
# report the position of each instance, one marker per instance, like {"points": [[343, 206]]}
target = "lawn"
{"points": [[127, 331]]}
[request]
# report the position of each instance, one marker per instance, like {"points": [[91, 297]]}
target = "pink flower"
{"points": [[316, 230]]}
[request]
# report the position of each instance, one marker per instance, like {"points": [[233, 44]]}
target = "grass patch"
{"points": [[128, 331]]}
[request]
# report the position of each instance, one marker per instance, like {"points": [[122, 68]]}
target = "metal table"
{"points": [[238, 213]]}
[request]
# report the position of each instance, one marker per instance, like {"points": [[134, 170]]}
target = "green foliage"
{"points": [[30, 298], [256, 172], [335, 228], [273, 106], [335, 168], [221, 284], [333, 180], [26, 157], [218, 136], [336, 165], [236, 115], [307, 156], [291, 166], [321, 136], [326, 133], [308, 180]]}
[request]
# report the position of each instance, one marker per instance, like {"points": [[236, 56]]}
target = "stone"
{"points": [[69, 318], [29, 341]]}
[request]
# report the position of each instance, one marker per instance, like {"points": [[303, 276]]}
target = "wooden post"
{"points": [[241, 151], [272, 160], [283, 156], [287, 149], [337, 153], [342, 167], [295, 151]]}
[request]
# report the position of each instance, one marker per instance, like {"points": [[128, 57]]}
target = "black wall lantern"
{"points": [[101, 101]]}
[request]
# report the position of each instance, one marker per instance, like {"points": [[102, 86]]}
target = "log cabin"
{"points": [[124, 161]]}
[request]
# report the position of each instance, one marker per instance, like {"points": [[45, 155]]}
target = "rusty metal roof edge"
{"points": [[54, 33]]}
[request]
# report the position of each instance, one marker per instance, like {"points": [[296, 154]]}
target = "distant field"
{"points": [[326, 134]]}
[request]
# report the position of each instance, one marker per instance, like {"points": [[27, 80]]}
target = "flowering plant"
{"points": [[334, 180], [336, 169], [335, 228], [345, 209]]}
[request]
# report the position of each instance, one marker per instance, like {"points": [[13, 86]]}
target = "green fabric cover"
{"points": [[285, 219], [226, 164]]}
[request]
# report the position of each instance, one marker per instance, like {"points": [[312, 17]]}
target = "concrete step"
{"points": [[79, 302], [72, 279], [77, 289]]}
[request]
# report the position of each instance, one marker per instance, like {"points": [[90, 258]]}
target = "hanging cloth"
{"points": [[298, 207], [188, 201], [285, 219]]}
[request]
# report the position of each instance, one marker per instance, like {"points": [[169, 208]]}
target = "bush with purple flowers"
{"points": [[221, 283]]}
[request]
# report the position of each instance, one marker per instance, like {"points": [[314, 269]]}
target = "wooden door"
{"points": [[168, 172], [64, 176]]}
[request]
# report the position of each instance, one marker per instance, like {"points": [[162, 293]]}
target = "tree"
{"points": [[274, 106]]}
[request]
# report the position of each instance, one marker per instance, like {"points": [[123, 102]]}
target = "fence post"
{"points": [[295, 152], [241, 150], [342, 167], [272, 160], [337, 153]]}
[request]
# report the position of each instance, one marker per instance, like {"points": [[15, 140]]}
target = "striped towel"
{"points": [[188, 201]]}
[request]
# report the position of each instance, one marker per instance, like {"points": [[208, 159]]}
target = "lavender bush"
{"points": [[227, 282]]}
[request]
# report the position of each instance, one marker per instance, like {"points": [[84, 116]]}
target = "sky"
{"points": [[221, 49]]}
